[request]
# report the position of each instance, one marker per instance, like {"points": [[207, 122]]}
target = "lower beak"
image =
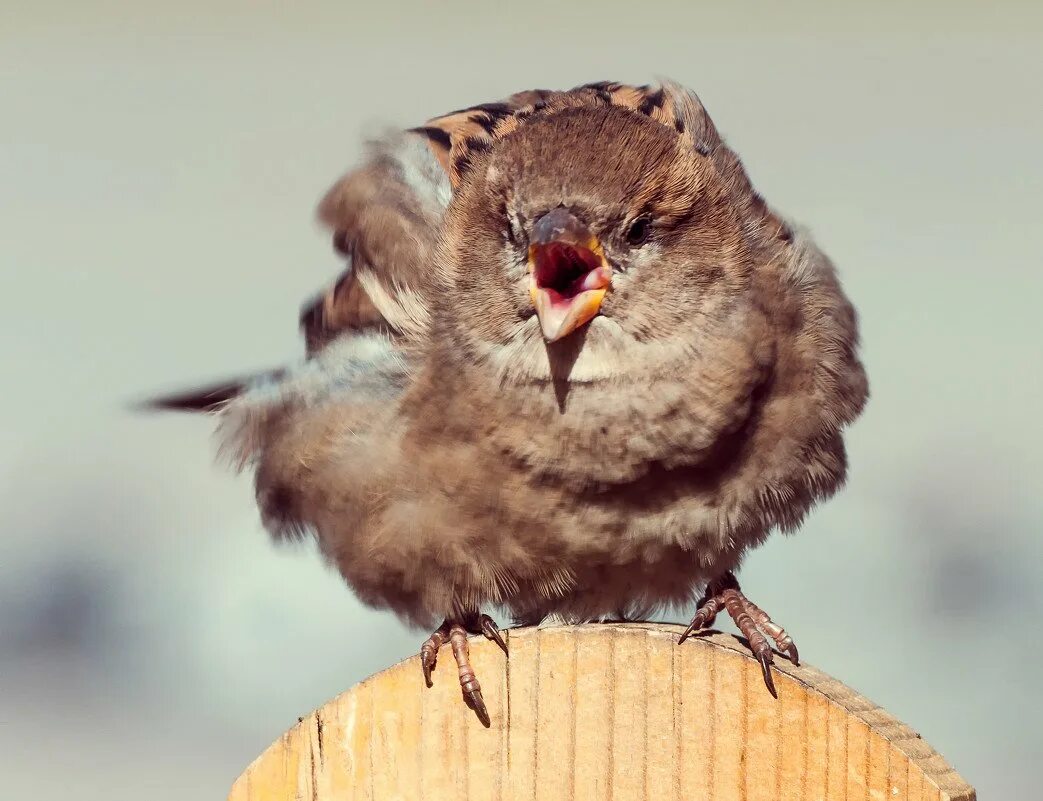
{"points": [[567, 284]]}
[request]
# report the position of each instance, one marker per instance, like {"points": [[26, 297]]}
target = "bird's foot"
{"points": [[454, 631], [753, 622]]}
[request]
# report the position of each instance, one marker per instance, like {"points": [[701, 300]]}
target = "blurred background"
{"points": [[159, 166]]}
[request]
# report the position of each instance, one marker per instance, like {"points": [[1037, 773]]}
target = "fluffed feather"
{"points": [[446, 458]]}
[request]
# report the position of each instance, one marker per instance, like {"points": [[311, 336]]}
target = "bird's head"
{"points": [[593, 224]]}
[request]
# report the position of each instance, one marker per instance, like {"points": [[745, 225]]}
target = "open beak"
{"points": [[568, 274]]}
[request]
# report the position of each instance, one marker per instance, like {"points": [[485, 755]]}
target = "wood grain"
{"points": [[617, 712]]}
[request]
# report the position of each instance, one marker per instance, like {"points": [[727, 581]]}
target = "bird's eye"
{"points": [[638, 231], [515, 230]]}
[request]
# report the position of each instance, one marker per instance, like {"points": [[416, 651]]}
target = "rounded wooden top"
{"points": [[611, 711]]}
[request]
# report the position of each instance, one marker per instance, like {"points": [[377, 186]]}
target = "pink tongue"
{"points": [[564, 268], [595, 279]]}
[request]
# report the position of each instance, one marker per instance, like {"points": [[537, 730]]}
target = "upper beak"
{"points": [[568, 274]]}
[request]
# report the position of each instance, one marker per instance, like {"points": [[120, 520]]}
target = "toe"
{"points": [[489, 629], [427, 664]]}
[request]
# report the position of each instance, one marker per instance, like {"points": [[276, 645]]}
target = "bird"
{"points": [[576, 368]]}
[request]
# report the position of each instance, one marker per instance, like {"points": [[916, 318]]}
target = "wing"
{"points": [[385, 217]]}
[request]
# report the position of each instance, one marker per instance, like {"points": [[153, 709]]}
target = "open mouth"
{"points": [[565, 270], [567, 285]]}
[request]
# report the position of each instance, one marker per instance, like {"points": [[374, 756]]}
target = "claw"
{"points": [[704, 616], [489, 630], [791, 652], [427, 666], [696, 624], [473, 698], [765, 660]]}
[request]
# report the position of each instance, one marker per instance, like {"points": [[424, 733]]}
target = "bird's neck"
{"points": [[590, 429]]}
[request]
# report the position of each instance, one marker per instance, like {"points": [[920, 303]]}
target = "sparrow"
{"points": [[576, 367]]}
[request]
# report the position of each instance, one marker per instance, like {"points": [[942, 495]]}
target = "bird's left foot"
{"points": [[753, 622], [454, 632]]}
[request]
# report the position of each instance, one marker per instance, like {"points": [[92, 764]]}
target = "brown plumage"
{"points": [[577, 367]]}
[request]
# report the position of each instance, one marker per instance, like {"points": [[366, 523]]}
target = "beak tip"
{"points": [[557, 322]]}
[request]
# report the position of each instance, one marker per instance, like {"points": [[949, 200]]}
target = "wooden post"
{"points": [[606, 711]]}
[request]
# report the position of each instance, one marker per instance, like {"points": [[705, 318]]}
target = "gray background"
{"points": [[159, 164]]}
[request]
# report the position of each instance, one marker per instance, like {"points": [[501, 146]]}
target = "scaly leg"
{"points": [[455, 631], [753, 622]]}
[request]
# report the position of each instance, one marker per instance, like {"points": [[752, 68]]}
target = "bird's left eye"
{"points": [[638, 232]]}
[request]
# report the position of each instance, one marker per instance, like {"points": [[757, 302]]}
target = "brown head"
{"points": [[595, 225]]}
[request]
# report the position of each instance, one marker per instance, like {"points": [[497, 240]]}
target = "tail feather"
{"points": [[208, 398]]}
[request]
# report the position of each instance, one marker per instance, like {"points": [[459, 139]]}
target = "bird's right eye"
{"points": [[515, 233]]}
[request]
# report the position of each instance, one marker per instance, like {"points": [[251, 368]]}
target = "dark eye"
{"points": [[638, 231], [515, 230], [510, 231]]}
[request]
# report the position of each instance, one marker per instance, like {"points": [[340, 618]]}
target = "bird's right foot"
{"points": [[455, 631]]}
